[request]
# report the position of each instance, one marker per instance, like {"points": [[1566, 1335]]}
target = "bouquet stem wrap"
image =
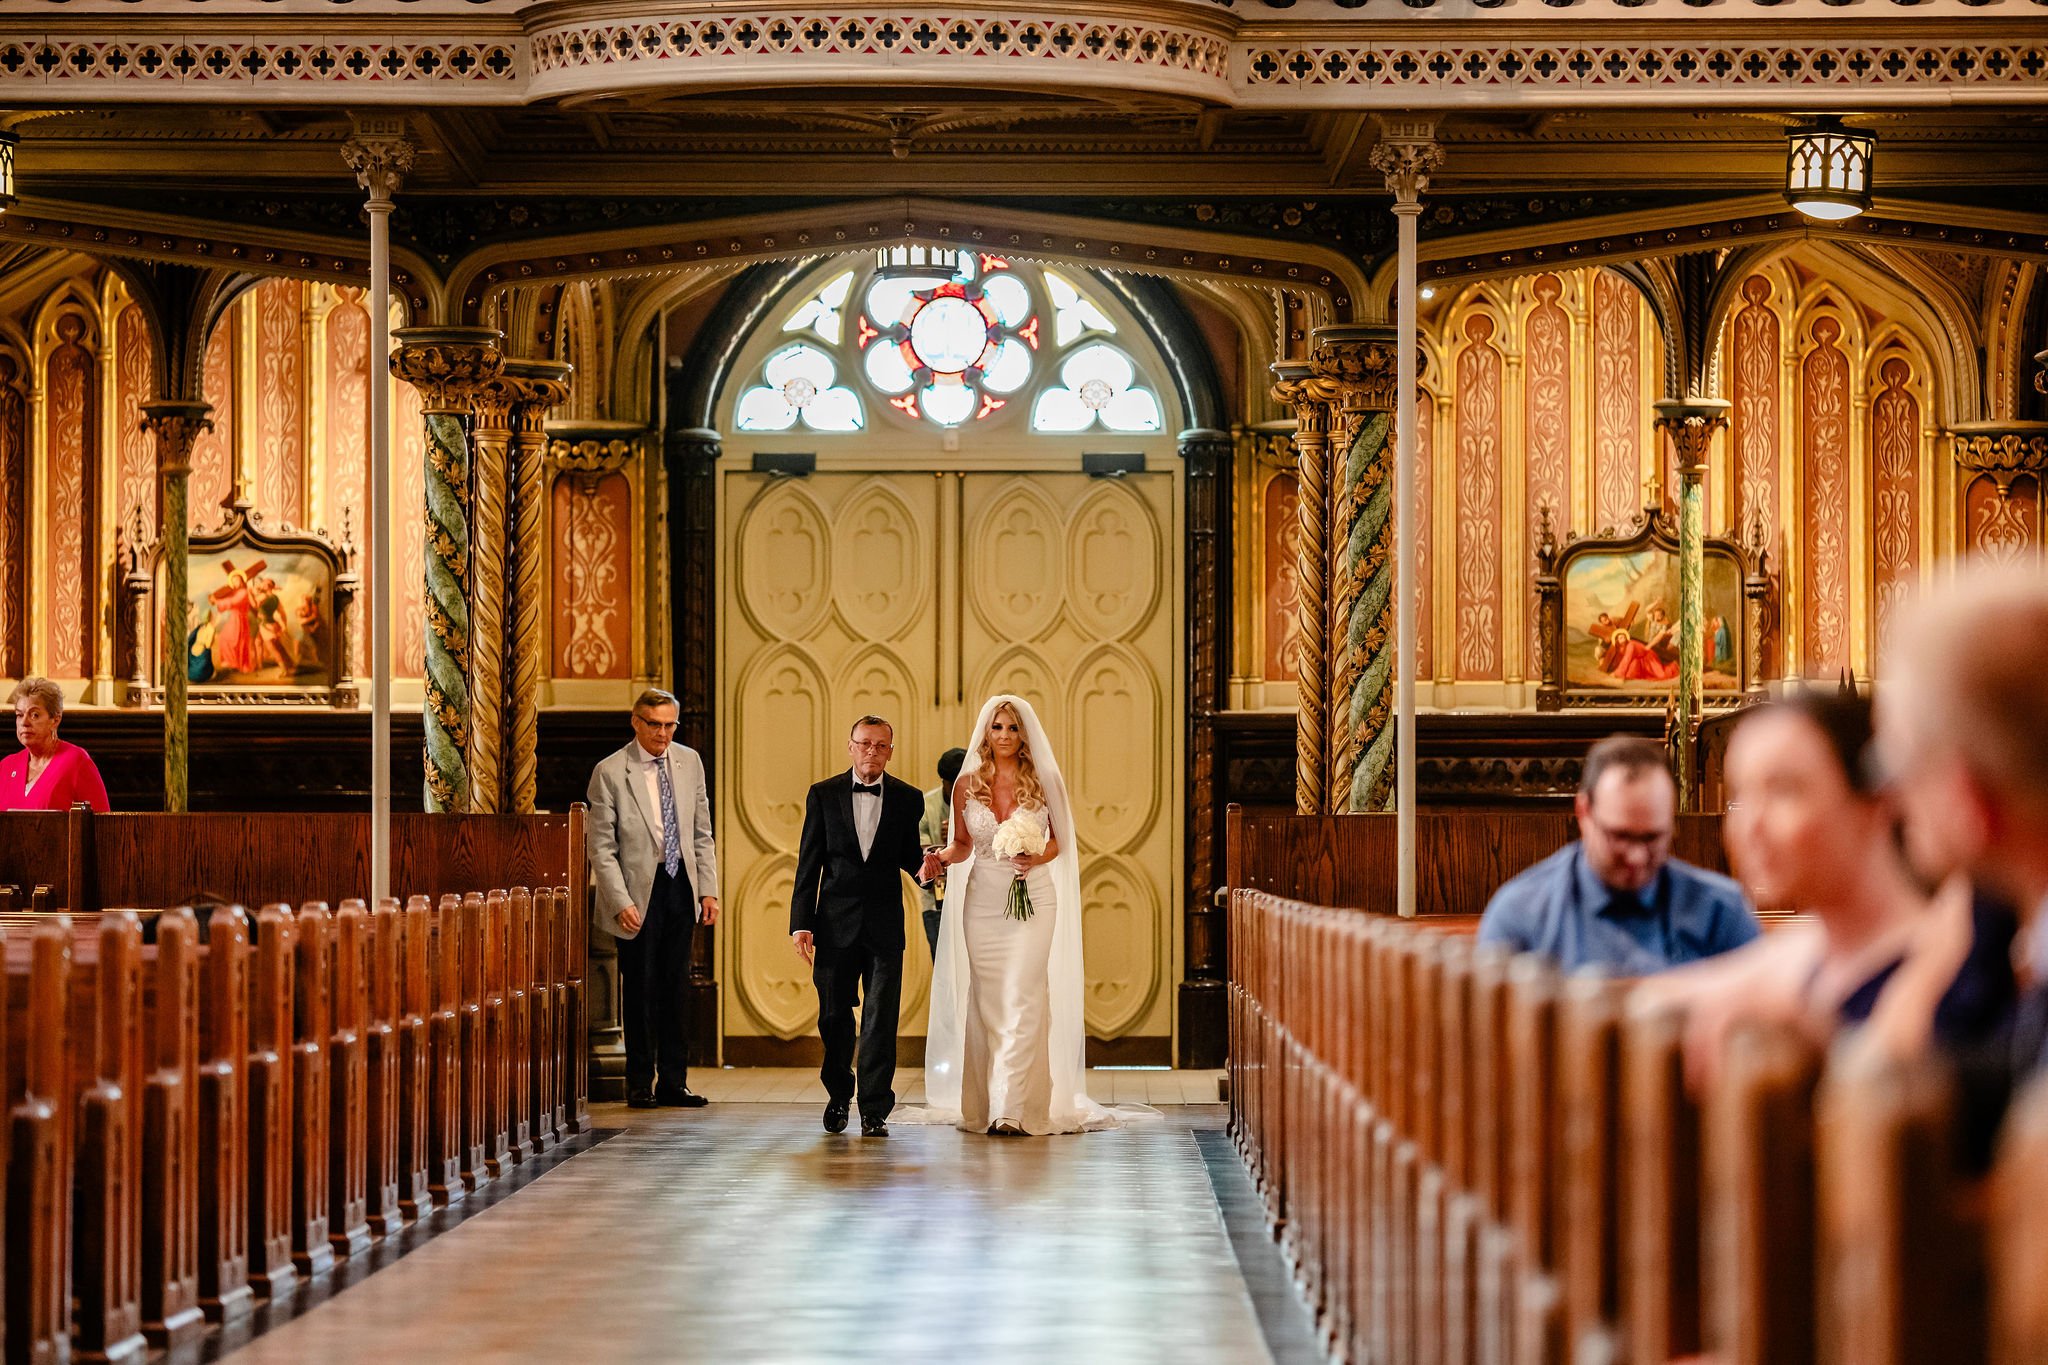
{"points": [[1023, 835]]}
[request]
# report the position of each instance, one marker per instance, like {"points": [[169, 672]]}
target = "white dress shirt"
{"points": [[867, 814]]}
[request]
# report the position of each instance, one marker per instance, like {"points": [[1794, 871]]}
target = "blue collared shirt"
{"points": [[1562, 909]]}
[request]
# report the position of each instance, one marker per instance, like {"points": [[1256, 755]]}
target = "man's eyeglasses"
{"points": [[1649, 840], [654, 724], [873, 746]]}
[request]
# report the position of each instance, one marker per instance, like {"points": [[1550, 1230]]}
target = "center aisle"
{"points": [[745, 1232]]}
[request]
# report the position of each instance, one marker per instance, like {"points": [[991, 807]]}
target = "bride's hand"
{"points": [[1023, 863]]}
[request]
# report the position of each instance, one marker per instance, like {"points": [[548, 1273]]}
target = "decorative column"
{"points": [[540, 386], [447, 365], [176, 424], [1406, 154], [1309, 397], [1690, 423], [1358, 364], [2004, 465], [381, 157], [692, 455], [1204, 1020]]}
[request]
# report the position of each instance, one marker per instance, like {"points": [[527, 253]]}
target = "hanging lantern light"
{"points": [[1827, 169], [8, 142], [918, 263]]}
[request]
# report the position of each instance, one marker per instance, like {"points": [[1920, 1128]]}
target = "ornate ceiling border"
{"points": [[592, 48]]}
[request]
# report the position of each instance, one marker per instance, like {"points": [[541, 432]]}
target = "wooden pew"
{"points": [[35, 1263], [444, 1127], [311, 1079], [271, 1014], [2017, 1246], [1587, 1235], [572, 999], [224, 1129], [418, 1061], [171, 1315], [519, 1034], [382, 1069], [1661, 1174], [106, 1070], [473, 1038], [348, 1072], [543, 1112], [496, 946]]}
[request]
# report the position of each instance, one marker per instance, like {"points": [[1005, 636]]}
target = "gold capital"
{"points": [[447, 365], [1691, 424]]}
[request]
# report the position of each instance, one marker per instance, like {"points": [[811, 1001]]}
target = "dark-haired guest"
{"points": [[1809, 830], [46, 773], [1616, 898]]}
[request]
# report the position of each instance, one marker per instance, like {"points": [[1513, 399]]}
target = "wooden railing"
{"points": [[1467, 1157], [210, 1117]]}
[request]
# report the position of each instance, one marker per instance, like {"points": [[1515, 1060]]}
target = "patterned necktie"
{"points": [[671, 839]]}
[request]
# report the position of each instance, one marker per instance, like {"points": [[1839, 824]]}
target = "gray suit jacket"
{"points": [[623, 832]]}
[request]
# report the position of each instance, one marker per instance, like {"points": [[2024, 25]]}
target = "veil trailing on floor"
{"points": [[946, 1034]]}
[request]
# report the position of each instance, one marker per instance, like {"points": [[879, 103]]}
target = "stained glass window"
{"points": [[952, 339]]}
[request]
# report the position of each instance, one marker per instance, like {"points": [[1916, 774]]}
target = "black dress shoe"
{"points": [[835, 1116], [873, 1127], [680, 1098], [640, 1099]]}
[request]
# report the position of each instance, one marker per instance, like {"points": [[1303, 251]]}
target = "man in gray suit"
{"points": [[649, 838]]}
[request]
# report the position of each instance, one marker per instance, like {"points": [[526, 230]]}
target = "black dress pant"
{"points": [[654, 987], [873, 978]]}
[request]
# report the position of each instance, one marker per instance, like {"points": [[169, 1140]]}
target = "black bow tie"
{"points": [[875, 790]]}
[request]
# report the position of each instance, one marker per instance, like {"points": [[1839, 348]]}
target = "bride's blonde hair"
{"points": [[975, 786]]}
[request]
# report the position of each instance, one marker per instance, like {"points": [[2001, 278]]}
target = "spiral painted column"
{"points": [[1358, 365], [1691, 424], [490, 450], [1300, 390], [447, 365], [176, 425], [541, 385]]}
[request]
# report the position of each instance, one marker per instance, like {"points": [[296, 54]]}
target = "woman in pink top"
{"points": [[47, 774]]}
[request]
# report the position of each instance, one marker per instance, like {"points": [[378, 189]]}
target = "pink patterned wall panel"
{"points": [[593, 576], [213, 460], [68, 443], [1824, 432], [13, 522], [2004, 527], [1754, 421], [1282, 527], [1547, 367], [280, 445], [134, 378], [1895, 493], [1425, 463], [348, 443], [1617, 401], [408, 475], [1478, 506]]}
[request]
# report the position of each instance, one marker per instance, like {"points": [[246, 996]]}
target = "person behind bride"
{"points": [[1004, 1049]]}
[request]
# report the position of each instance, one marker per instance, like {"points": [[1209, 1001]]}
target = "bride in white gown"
{"points": [[1004, 1049]]}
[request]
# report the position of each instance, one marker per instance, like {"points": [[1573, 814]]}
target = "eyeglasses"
{"points": [[873, 746], [654, 724]]}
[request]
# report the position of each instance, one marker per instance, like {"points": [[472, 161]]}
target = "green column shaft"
{"points": [[1369, 643], [1691, 618], [177, 612], [447, 662]]}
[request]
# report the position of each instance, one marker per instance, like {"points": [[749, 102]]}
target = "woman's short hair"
{"points": [[42, 692], [1844, 720]]}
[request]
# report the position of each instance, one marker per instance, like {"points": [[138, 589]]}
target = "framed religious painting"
{"points": [[1607, 619], [269, 617]]}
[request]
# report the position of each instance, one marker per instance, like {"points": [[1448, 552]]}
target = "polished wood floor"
{"points": [[743, 1232]]}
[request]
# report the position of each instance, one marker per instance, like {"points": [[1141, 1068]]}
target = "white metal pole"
{"points": [[1404, 562]]}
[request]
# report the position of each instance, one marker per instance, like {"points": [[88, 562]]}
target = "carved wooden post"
{"points": [[447, 364], [1358, 364], [1301, 391], [1691, 424], [1204, 1033], [540, 385], [176, 425]]}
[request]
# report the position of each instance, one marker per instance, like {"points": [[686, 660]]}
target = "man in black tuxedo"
{"points": [[846, 917]]}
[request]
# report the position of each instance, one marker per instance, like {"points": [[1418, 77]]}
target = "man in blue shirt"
{"points": [[1617, 898]]}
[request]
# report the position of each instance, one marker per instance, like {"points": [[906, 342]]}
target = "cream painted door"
{"points": [[915, 595]]}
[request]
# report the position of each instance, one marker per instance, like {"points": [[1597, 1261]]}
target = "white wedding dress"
{"points": [[1006, 1039]]}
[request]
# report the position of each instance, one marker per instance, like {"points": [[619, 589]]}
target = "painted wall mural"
{"points": [[1618, 401], [593, 631], [14, 488], [347, 405], [213, 454], [1282, 596], [68, 431], [135, 480], [1895, 493], [1547, 365], [279, 444], [1478, 505], [1824, 453]]}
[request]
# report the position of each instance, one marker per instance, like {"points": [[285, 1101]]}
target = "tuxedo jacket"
{"points": [[840, 896]]}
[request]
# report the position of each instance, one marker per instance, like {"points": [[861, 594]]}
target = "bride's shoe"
{"points": [[1007, 1129]]}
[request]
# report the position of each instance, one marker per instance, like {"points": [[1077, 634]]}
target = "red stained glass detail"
{"points": [[864, 331], [907, 403], [952, 289], [988, 405], [989, 262], [1029, 331]]}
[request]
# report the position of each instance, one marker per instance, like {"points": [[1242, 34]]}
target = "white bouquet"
{"points": [[1023, 835]]}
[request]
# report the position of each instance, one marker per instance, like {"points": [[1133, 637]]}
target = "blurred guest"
{"points": [[1808, 830], [1616, 898], [1961, 738], [47, 773], [934, 830]]}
